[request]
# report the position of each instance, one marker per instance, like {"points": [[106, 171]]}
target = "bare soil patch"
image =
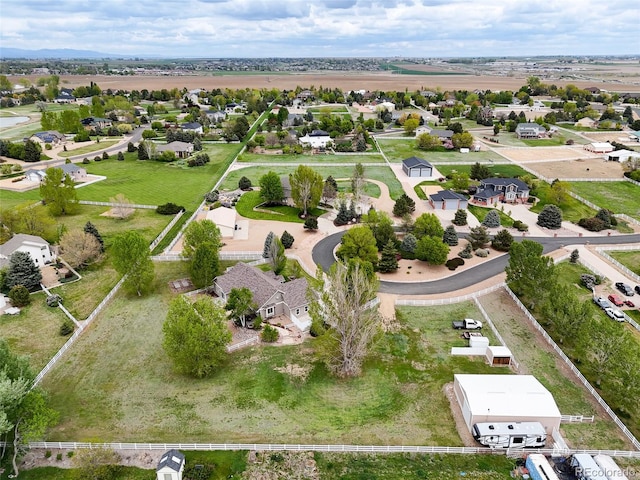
{"points": [[461, 426], [147, 459], [538, 154], [582, 168]]}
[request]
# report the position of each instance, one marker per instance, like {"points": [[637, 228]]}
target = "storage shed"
{"points": [[417, 167], [497, 355], [171, 466], [448, 200], [505, 398]]}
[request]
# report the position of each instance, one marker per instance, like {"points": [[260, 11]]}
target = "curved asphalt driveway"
{"points": [[323, 254]]}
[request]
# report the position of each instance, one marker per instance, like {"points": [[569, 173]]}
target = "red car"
{"points": [[629, 303], [616, 300]]}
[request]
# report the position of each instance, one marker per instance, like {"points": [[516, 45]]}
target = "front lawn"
{"points": [[629, 258], [248, 202], [262, 394], [155, 183], [572, 210], [619, 197], [381, 173], [480, 212]]}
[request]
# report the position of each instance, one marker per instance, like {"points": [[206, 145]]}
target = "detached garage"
{"points": [[448, 200], [417, 167], [505, 398]]}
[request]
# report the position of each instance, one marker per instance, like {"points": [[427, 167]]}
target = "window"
{"points": [[270, 311], [517, 440], [168, 476]]}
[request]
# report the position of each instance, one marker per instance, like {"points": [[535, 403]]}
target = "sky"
{"points": [[324, 28]]}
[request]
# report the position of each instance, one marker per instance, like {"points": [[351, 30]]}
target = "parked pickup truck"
{"points": [[467, 324]]}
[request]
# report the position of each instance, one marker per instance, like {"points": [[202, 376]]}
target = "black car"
{"points": [[638, 289], [624, 288]]}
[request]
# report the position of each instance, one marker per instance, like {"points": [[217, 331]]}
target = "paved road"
{"points": [[323, 254]]}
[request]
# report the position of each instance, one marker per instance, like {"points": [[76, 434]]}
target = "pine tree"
{"points": [[460, 218], [267, 245], [450, 236], [388, 260], [466, 252], [478, 237], [91, 229], [492, 219], [575, 255], [287, 239], [23, 271], [502, 241], [409, 243], [342, 218], [352, 210], [550, 217]]}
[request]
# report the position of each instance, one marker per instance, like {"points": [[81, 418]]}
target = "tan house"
{"points": [[77, 174], [272, 295], [181, 149]]}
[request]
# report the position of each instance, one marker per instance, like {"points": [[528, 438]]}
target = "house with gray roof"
{"points": [[417, 167], [37, 247], [494, 190], [181, 149], [530, 130], [272, 295], [448, 200], [192, 127], [171, 466], [77, 174]]}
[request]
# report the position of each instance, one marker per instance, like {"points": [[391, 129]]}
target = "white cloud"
{"points": [[324, 27]]}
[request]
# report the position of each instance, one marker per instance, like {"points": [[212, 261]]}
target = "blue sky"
{"points": [[323, 28]]}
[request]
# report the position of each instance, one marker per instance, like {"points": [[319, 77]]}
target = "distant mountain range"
{"points": [[57, 53]]}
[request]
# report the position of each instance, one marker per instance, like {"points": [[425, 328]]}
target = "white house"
{"points": [[192, 127], [599, 147], [171, 466], [37, 247], [316, 139], [530, 130], [505, 398], [225, 219], [621, 155], [77, 174]]}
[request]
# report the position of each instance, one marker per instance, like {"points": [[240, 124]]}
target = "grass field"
{"points": [[619, 197], [89, 148], [481, 212], [10, 199], [280, 213], [299, 159], [398, 399], [539, 360], [155, 183], [381, 173], [34, 332], [572, 210], [504, 170], [370, 189], [630, 259], [397, 150]]}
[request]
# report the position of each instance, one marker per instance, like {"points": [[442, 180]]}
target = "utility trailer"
{"points": [[539, 467], [586, 468], [510, 434]]}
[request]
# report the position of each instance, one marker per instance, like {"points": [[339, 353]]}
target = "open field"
{"points": [[251, 398], [619, 197], [300, 159], [398, 150], [381, 173], [384, 81], [84, 149], [536, 358], [584, 168], [35, 332], [156, 183], [506, 170], [630, 259], [524, 155]]}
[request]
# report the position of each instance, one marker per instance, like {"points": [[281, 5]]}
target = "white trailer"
{"points": [[540, 468], [610, 468], [586, 468], [510, 434]]}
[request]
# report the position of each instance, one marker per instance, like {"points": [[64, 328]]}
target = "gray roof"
{"points": [[531, 126], [413, 162], [441, 133], [172, 459], [191, 126], [318, 133], [263, 285], [69, 168], [446, 195], [520, 185], [487, 193], [49, 136], [176, 146], [11, 245]]}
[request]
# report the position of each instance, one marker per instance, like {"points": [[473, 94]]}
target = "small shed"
{"points": [[479, 342], [497, 355], [171, 466], [417, 167]]}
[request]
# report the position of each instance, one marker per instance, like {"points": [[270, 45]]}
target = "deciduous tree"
{"points": [[342, 302], [306, 188], [240, 304], [357, 182], [277, 258], [196, 233], [427, 224], [196, 336], [204, 264], [58, 192], [79, 248], [432, 250], [528, 269], [360, 243], [131, 257], [271, 190]]}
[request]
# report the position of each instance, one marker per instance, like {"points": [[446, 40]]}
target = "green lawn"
{"points": [[619, 197], [53, 473], [398, 150], [281, 213], [572, 210], [299, 159], [630, 259], [154, 183], [329, 109], [34, 332], [504, 170], [397, 400], [481, 212], [370, 189], [381, 173], [9, 199]]}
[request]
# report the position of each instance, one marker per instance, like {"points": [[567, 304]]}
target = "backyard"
{"points": [[262, 394], [397, 150], [250, 206]]}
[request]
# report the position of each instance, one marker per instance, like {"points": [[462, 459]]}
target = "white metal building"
{"points": [[505, 398]]}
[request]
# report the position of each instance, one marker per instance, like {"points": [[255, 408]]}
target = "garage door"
{"points": [[415, 172]]}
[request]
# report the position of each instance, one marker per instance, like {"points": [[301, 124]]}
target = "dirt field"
{"points": [[591, 168], [544, 153], [346, 81]]}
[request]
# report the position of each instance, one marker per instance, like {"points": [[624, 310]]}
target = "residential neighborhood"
{"points": [[318, 268]]}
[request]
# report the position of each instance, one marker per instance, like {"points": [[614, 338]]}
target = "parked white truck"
{"points": [[467, 324]]}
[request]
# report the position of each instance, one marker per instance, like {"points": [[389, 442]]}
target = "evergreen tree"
{"points": [[92, 230], [23, 271], [502, 241], [450, 236], [342, 218], [575, 255], [478, 237], [404, 204], [19, 296], [287, 239], [352, 210], [460, 218], [409, 243], [267, 244], [550, 217], [388, 260], [311, 223], [492, 219], [479, 172], [466, 252], [120, 157]]}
